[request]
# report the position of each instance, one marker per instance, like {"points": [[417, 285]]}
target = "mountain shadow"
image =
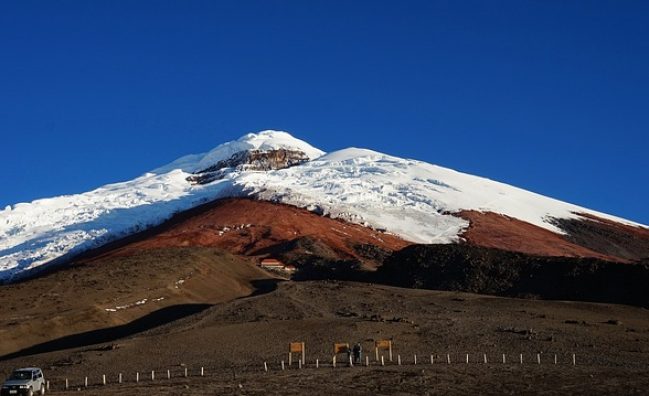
{"points": [[498, 272]]}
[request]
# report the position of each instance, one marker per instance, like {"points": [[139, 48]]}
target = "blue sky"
{"points": [[551, 96]]}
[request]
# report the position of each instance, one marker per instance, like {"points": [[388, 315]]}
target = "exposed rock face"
{"points": [[251, 160]]}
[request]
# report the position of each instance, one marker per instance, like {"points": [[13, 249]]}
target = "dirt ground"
{"points": [[134, 292], [232, 340], [422, 379]]}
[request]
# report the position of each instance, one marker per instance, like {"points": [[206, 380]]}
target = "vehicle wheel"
{"points": [[42, 392], [30, 392]]}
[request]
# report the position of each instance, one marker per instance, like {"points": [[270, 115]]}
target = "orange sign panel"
{"points": [[296, 347], [383, 344], [341, 348]]}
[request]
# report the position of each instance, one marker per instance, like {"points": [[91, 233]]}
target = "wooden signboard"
{"points": [[296, 347], [383, 345], [341, 348]]}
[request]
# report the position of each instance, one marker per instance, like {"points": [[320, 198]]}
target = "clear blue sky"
{"points": [[551, 96]]}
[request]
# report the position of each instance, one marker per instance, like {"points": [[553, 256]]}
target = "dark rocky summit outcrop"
{"points": [[251, 160]]}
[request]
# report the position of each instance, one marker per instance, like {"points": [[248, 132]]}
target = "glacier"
{"points": [[412, 199]]}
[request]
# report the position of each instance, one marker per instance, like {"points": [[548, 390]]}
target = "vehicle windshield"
{"points": [[21, 375]]}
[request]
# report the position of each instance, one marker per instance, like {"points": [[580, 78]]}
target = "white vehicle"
{"points": [[25, 382]]}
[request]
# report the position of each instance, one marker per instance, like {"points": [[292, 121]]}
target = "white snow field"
{"points": [[412, 199]]}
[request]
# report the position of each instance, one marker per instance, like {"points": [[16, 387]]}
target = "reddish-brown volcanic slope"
{"points": [[253, 227], [245, 226], [495, 230]]}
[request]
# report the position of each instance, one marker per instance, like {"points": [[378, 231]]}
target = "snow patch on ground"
{"points": [[135, 304]]}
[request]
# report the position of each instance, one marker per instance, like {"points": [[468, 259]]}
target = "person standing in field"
{"points": [[357, 352]]}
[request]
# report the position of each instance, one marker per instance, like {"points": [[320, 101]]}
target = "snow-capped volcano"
{"points": [[412, 199]]}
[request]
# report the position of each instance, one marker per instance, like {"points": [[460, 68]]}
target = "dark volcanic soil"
{"points": [[607, 237], [493, 271], [232, 340]]}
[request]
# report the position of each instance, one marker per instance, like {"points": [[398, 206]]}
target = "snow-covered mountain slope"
{"points": [[412, 199], [32, 234]]}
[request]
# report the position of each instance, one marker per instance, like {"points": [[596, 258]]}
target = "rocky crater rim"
{"points": [[268, 140], [250, 160]]}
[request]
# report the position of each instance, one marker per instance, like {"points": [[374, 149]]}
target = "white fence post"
{"points": [[168, 374], [265, 368], [152, 375], [103, 379], [504, 359], [415, 359], [85, 382], [283, 365], [382, 361], [448, 358], [137, 377], [574, 360], [399, 360], [119, 378]]}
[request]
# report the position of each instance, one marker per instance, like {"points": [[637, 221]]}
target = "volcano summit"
{"points": [[408, 199]]}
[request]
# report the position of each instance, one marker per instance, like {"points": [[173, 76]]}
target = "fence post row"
{"points": [[301, 364]]}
